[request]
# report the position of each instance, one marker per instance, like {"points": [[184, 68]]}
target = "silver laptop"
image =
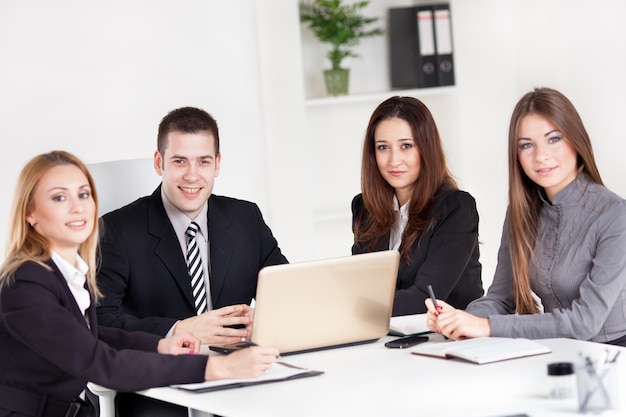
{"points": [[325, 303]]}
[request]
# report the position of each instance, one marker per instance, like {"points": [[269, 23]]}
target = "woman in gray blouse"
{"points": [[563, 240]]}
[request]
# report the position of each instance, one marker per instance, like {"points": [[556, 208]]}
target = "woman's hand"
{"points": [[455, 324], [211, 327], [245, 363], [179, 344]]}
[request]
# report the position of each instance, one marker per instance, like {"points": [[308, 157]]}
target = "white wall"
{"points": [[506, 48], [95, 77]]}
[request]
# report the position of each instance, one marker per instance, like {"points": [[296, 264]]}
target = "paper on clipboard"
{"points": [[279, 371]]}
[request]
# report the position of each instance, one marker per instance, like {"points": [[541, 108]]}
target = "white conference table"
{"points": [[371, 380]]}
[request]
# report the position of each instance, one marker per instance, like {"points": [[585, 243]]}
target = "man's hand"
{"points": [[210, 327]]}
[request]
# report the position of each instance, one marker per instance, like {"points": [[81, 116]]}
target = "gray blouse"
{"points": [[580, 274]]}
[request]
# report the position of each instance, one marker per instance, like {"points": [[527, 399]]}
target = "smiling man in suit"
{"points": [[144, 273]]}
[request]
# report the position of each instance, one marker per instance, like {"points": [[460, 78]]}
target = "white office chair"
{"points": [[119, 183], [106, 399]]}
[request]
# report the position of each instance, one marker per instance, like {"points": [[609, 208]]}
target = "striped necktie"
{"points": [[194, 265]]}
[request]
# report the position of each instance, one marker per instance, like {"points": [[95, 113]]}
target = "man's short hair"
{"points": [[187, 120]]}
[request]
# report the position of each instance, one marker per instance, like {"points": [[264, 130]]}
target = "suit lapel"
{"points": [[72, 305], [221, 248], [168, 249]]}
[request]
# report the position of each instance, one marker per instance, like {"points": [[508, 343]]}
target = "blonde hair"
{"points": [[24, 243]]}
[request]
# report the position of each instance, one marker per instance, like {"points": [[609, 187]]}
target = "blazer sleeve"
{"points": [[450, 247], [600, 294], [40, 313], [123, 339]]}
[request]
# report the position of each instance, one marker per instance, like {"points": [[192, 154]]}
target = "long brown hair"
{"points": [[378, 194], [524, 200], [25, 244]]}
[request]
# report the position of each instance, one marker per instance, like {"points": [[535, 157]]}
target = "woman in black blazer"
{"points": [[50, 342], [411, 203]]}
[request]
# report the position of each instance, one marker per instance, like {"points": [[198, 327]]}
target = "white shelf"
{"points": [[376, 97]]}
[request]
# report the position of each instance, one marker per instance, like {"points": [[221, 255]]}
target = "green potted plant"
{"points": [[341, 26]]}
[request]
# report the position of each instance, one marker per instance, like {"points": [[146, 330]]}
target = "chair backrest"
{"points": [[119, 183], [123, 181]]}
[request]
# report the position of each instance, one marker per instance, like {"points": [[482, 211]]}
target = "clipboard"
{"points": [[279, 371]]}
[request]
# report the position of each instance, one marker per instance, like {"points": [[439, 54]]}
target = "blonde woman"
{"points": [[50, 342]]}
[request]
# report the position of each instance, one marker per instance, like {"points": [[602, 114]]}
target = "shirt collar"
{"points": [[180, 221], [403, 210], [572, 192], [69, 271]]}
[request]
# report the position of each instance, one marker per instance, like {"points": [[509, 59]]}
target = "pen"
{"points": [[432, 296], [434, 300]]}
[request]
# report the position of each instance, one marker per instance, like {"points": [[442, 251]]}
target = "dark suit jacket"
{"points": [[47, 347], [445, 257], [144, 275]]}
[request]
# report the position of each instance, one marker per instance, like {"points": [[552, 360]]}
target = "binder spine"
{"points": [[443, 43], [413, 58], [427, 67], [403, 45]]}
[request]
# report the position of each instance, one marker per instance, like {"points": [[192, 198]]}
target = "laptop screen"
{"points": [[325, 303]]}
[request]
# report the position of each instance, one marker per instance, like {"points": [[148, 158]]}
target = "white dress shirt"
{"points": [[402, 217], [180, 222], [75, 277]]}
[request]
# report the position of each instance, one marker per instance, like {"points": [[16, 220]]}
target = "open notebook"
{"points": [[325, 303], [482, 349]]}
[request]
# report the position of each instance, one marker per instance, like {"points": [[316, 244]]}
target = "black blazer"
{"points": [[47, 347], [144, 275], [445, 257]]}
